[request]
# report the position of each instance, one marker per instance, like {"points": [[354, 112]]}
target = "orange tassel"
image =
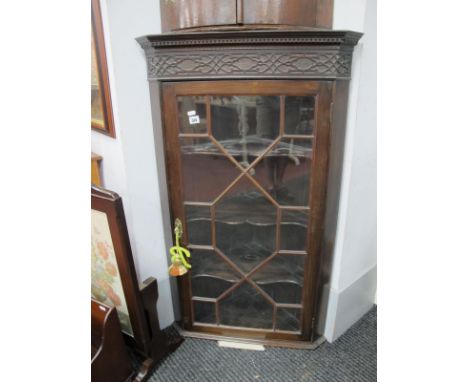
{"points": [[177, 269]]}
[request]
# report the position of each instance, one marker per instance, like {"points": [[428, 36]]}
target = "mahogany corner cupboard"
{"points": [[253, 125]]}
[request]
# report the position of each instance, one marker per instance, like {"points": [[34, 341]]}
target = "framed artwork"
{"points": [[114, 282], [106, 284], [113, 276], [101, 105]]}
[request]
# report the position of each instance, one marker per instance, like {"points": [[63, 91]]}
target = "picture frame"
{"points": [[114, 280], [101, 105], [113, 276]]}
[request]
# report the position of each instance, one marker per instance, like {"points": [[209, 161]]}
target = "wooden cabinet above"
{"points": [[187, 14]]}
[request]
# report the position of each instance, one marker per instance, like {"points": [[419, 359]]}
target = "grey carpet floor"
{"points": [[353, 357]]}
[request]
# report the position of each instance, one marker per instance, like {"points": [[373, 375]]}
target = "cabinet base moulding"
{"points": [[270, 343]]}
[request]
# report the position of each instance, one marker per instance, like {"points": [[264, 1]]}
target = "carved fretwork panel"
{"points": [[273, 63], [304, 54]]}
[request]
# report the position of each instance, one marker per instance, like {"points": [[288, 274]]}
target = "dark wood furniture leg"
{"points": [[110, 361], [159, 345]]}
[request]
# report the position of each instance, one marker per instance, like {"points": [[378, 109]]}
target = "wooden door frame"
{"points": [[317, 188]]}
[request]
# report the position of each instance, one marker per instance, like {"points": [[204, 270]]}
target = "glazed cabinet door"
{"points": [[246, 162]]}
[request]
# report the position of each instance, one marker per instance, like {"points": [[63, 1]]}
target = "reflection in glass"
{"points": [[246, 307], [211, 275], [192, 114], [288, 319], [198, 220], [245, 125], [245, 225], [204, 312], [206, 171], [282, 278], [299, 113], [284, 172], [294, 230]]}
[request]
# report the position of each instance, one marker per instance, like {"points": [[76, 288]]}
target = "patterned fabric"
{"points": [[351, 358]]}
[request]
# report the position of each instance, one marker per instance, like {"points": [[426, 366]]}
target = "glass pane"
{"points": [[245, 225], [245, 126], [288, 319], [282, 278], [285, 171], [245, 219], [211, 275], [294, 230], [206, 171], [192, 114], [299, 113], [199, 224], [246, 307], [204, 312]]}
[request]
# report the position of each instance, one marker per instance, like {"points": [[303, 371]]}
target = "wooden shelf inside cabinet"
{"points": [[274, 273], [254, 175], [254, 146]]}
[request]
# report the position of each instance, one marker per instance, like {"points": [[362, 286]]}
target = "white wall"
{"points": [[353, 280], [113, 174], [129, 164]]}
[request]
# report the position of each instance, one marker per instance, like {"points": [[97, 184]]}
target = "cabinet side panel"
{"points": [[156, 108], [174, 178], [337, 141], [317, 205]]}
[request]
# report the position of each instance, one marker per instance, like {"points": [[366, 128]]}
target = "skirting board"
{"points": [[344, 308]]}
